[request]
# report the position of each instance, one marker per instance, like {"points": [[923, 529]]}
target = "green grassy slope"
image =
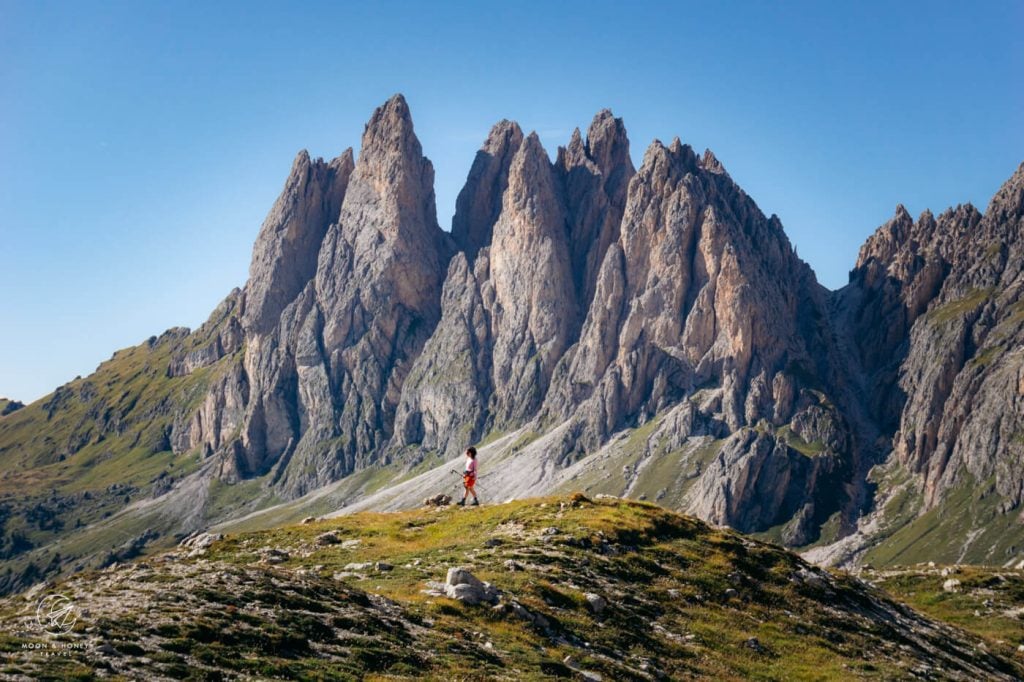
{"points": [[986, 601], [970, 526], [94, 446], [683, 600]]}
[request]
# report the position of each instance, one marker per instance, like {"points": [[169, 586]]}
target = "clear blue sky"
{"points": [[141, 143]]}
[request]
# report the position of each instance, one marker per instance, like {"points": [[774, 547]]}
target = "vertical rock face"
{"points": [[285, 255], [596, 176], [507, 319], [932, 326], [284, 262], [535, 307], [344, 291], [538, 233], [444, 403], [898, 273], [445, 398], [963, 418], [386, 243], [685, 299], [701, 294], [479, 203], [379, 280], [374, 302]]}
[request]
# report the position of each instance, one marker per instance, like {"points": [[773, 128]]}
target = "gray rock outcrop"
{"points": [[463, 586]]}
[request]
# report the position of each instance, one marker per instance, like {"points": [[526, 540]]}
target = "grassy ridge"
{"points": [[81, 454], [683, 600]]}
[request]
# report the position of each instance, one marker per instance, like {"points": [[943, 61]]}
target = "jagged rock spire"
{"points": [[595, 174], [387, 240], [285, 254], [479, 203], [1007, 206], [699, 288], [608, 147], [535, 302], [392, 169], [333, 368]]}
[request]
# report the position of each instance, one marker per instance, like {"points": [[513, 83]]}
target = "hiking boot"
{"points": [[462, 502], [476, 502]]}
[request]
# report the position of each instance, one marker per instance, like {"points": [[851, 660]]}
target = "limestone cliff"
{"points": [[343, 293]]}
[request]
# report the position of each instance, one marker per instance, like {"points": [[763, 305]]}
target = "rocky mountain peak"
{"points": [[887, 239], [387, 251], [684, 152], [531, 208], [663, 164], [334, 360], [608, 144], [285, 253], [390, 122], [535, 310], [711, 163], [573, 154], [479, 203], [576, 143], [1007, 205], [392, 164], [531, 155], [701, 294], [346, 160], [532, 194], [698, 247], [901, 247], [301, 161], [595, 176], [503, 135]]}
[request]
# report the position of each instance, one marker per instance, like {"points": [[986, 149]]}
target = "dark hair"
{"points": [[471, 451]]}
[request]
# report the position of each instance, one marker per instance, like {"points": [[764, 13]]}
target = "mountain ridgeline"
{"points": [[605, 327]]}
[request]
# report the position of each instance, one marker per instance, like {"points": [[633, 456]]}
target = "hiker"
{"points": [[469, 477]]}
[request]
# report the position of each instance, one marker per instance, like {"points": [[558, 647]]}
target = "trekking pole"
{"points": [[458, 474]]}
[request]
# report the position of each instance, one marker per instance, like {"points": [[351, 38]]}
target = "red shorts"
{"points": [[468, 480]]}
